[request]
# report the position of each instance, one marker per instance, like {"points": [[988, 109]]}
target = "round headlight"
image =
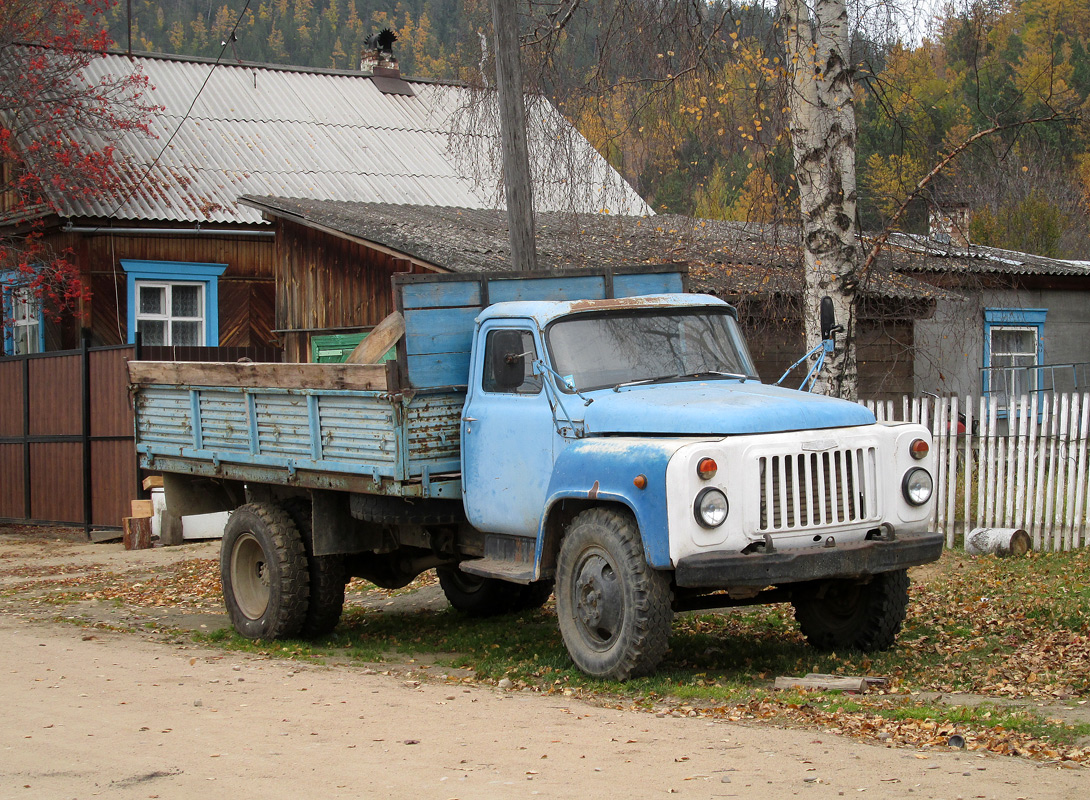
{"points": [[917, 486], [710, 508]]}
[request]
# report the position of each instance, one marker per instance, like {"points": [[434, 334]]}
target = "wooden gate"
{"points": [[66, 438], [67, 451]]}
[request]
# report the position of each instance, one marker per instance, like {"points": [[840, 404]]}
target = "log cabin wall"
{"points": [[884, 344], [246, 291], [326, 283]]}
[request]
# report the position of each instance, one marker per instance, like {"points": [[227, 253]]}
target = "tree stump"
{"points": [[137, 533]]}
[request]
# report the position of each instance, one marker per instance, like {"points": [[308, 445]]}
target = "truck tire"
{"points": [[326, 573], [614, 610], [854, 616], [489, 597], [263, 570]]}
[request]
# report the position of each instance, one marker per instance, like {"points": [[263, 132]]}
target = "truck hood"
{"points": [[714, 408]]}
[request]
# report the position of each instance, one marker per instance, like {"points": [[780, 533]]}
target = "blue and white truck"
{"points": [[600, 434]]}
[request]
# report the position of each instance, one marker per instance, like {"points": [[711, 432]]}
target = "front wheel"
{"points": [[263, 571], [846, 615], [614, 609]]}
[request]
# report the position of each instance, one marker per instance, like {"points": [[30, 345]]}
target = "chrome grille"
{"points": [[816, 490]]}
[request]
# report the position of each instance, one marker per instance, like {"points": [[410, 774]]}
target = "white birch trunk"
{"points": [[823, 137]]}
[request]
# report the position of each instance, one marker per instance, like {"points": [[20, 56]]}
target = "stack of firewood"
{"points": [[137, 528]]}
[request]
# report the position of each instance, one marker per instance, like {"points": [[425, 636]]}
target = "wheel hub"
{"points": [[599, 602], [250, 576]]}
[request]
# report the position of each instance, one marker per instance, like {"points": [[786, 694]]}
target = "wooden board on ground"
{"points": [[256, 376], [104, 537], [827, 683], [384, 336]]}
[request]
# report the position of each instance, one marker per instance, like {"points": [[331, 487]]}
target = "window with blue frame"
{"points": [[22, 318], [173, 302], [1013, 349]]}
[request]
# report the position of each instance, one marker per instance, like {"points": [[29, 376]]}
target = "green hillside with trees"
{"points": [[704, 133]]}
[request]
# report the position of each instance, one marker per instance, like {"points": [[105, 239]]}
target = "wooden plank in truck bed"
{"points": [[252, 376]]}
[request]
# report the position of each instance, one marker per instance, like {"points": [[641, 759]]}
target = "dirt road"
{"points": [[89, 712]]}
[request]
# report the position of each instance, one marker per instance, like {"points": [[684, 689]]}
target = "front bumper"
{"points": [[855, 560]]}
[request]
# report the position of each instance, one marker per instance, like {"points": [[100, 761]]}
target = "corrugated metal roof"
{"points": [[265, 130], [915, 253]]}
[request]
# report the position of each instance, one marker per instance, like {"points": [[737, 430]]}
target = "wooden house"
{"points": [[175, 257]]}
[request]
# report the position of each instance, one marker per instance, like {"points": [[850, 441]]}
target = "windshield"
{"points": [[607, 349]]}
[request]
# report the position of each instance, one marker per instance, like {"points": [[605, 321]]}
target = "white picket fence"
{"points": [[1024, 467]]}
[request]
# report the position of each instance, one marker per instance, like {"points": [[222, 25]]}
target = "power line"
{"points": [[230, 39]]}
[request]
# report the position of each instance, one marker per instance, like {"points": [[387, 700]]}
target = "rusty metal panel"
{"points": [[56, 386], [113, 481], [11, 487], [11, 397], [283, 425], [224, 421], [164, 418], [433, 423], [56, 485], [358, 429], [111, 414]]}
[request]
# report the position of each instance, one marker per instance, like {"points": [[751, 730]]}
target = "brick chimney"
{"points": [[378, 54], [948, 223]]}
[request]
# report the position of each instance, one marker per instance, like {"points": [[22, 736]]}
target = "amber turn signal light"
{"points": [[919, 448], [707, 468], [640, 481]]}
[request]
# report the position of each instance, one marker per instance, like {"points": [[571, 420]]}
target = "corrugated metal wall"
{"points": [[67, 454], [66, 438]]}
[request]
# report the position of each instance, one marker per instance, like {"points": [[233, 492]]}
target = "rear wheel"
{"points": [[263, 571], [614, 609], [326, 573], [846, 615]]}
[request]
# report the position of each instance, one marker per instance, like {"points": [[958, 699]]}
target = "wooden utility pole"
{"points": [[516, 157]]}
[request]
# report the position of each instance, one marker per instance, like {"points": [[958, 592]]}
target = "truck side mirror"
{"points": [[508, 360], [828, 318]]}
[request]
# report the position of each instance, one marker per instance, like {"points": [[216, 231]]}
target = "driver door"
{"points": [[507, 434]]}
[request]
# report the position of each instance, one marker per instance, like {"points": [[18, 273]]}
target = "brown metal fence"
{"points": [[67, 453]]}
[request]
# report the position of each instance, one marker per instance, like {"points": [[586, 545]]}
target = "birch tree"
{"points": [[821, 119]]}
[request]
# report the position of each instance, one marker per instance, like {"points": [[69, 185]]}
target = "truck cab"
{"points": [[648, 412]]}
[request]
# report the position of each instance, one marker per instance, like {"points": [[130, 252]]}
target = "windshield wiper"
{"points": [[662, 378], [715, 374]]}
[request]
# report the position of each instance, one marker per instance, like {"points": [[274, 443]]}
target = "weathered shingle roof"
{"points": [[722, 257], [261, 129]]}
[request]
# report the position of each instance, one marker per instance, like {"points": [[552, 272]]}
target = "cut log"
{"points": [[997, 541], [384, 336], [142, 508], [826, 683], [137, 533]]}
